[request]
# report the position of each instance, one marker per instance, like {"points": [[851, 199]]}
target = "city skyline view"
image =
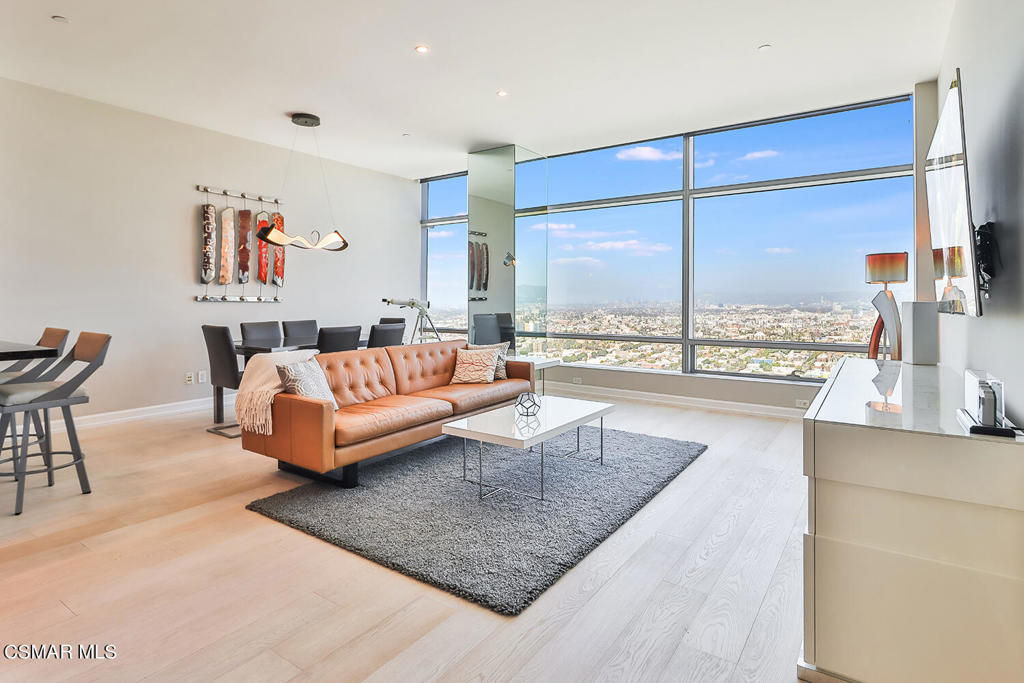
{"points": [[775, 264]]}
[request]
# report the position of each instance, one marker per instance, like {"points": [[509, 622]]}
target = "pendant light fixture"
{"points": [[332, 241]]}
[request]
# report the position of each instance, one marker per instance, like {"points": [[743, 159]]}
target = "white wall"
{"points": [[100, 231], [985, 43]]}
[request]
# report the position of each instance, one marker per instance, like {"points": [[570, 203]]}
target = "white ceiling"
{"points": [[580, 73]]}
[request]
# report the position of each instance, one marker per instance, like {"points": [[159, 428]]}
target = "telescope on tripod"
{"points": [[422, 318]]}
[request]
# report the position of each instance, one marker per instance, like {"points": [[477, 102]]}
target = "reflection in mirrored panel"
{"points": [[949, 211], [496, 267]]}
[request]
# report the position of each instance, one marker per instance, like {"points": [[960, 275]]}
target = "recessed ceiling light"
{"points": [[764, 48], [405, 135], [59, 19], [422, 49], [502, 93]]}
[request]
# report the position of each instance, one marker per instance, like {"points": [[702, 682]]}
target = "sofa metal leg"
{"points": [[350, 476]]}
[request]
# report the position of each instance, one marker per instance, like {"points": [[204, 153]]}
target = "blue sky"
{"points": [[784, 244]]}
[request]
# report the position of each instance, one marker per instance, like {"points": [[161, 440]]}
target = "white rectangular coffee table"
{"points": [[506, 427]]}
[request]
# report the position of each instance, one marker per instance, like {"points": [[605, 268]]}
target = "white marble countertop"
{"points": [[895, 395]]}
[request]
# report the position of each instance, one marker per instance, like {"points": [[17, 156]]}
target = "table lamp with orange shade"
{"points": [[884, 269]]}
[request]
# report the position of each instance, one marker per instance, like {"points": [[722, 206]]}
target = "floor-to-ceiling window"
{"points": [[612, 234], [782, 215], [445, 253], [738, 250]]}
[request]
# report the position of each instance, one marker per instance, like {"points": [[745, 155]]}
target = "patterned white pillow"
{"points": [[499, 368], [475, 367], [306, 378]]}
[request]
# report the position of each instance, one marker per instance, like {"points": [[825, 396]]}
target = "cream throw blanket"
{"points": [[260, 383]]}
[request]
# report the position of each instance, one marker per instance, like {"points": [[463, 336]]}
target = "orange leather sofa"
{"points": [[388, 398]]}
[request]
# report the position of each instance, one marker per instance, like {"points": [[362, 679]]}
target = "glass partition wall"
{"points": [[735, 251]]}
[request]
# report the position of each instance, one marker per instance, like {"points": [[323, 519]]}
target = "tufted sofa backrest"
{"points": [[358, 376], [423, 366]]}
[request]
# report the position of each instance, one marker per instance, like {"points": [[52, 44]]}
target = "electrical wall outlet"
{"points": [[190, 378], [202, 377], [577, 380], [803, 403]]}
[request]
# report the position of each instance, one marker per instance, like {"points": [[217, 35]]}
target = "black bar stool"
{"points": [[33, 392]]}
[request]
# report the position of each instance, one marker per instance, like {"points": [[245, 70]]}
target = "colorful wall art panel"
{"points": [[208, 264]]}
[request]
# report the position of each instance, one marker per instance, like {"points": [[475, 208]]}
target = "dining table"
{"points": [[18, 351], [250, 347]]}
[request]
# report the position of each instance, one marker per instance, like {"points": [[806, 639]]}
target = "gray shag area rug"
{"points": [[413, 512]]}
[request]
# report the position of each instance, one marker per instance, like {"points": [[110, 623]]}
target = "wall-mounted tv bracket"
{"points": [[986, 253]]}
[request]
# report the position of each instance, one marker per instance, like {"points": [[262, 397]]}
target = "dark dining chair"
{"points": [[386, 335], [333, 339], [485, 329], [224, 374], [391, 321], [507, 329], [300, 328], [271, 329], [34, 392]]}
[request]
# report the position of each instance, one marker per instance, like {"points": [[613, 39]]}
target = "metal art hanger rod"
{"points": [[240, 195]]}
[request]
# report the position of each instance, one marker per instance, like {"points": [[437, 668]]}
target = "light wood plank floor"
{"points": [[163, 561]]}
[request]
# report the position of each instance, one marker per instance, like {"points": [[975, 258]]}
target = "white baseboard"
{"points": [[591, 391], [160, 410]]}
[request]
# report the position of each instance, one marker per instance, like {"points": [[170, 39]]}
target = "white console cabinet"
{"points": [[914, 551]]}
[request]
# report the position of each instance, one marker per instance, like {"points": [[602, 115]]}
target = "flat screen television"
{"points": [[954, 254]]}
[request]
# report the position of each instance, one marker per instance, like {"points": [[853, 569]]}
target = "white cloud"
{"points": [[704, 164], [759, 154], [589, 234], [779, 250], [439, 234], [635, 247], [647, 153], [578, 260], [566, 247], [727, 178], [553, 226]]}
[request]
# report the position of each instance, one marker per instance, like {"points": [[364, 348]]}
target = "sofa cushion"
{"points": [[358, 376], [423, 366], [467, 397], [362, 421]]}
